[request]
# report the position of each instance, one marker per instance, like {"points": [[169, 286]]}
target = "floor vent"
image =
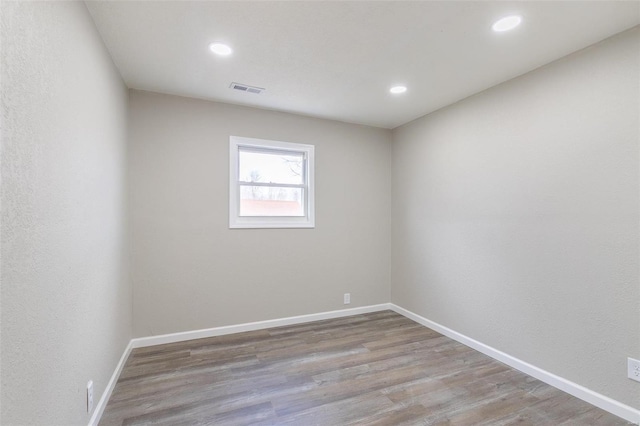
{"points": [[247, 88]]}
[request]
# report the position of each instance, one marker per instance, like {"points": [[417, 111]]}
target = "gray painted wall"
{"points": [[190, 271], [66, 299], [516, 217]]}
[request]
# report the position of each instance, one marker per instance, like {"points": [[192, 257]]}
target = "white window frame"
{"points": [[237, 221]]}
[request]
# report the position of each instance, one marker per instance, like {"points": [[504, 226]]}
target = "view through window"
{"points": [[272, 183]]}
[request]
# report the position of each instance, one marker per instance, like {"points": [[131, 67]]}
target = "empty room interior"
{"points": [[320, 213]]}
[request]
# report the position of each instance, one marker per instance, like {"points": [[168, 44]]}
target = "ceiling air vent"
{"points": [[247, 88]]}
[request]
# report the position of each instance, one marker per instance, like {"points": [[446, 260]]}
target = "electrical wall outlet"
{"points": [[89, 396], [633, 369], [347, 298]]}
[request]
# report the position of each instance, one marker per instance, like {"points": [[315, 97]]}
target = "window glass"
{"points": [[271, 201], [271, 167]]}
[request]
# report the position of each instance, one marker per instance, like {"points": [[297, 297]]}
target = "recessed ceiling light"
{"points": [[398, 89], [220, 49], [507, 23]]}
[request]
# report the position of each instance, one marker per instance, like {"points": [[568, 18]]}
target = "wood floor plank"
{"points": [[372, 369], [343, 411]]}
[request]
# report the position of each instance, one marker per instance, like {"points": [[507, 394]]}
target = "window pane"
{"points": [[271, 201], [256, 166]]}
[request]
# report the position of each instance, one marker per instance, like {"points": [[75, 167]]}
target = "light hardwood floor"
{"points": [[372, 369]]}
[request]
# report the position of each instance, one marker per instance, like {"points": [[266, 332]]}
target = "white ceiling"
{"points": [[337, 60]]}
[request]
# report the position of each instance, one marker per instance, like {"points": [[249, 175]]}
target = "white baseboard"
{"points": [[102, 404], [614, 407], [251, 326]]}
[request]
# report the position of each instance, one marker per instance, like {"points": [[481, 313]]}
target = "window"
{"points": [[270, 184]]}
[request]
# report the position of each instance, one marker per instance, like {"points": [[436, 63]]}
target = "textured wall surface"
{"points": [[190, 271], [66, 299], [516, 217]]}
